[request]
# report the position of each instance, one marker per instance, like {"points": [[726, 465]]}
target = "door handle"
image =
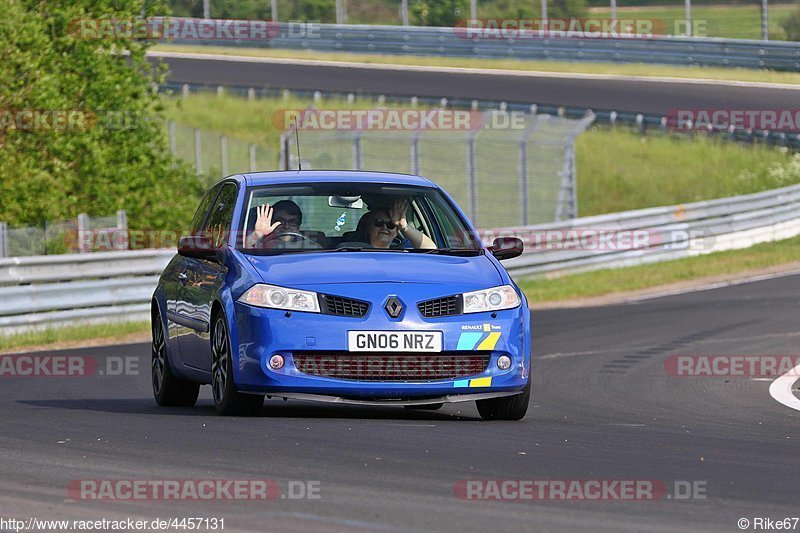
{"points": [[182, 277]]}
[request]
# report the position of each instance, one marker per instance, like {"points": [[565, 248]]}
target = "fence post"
{"points": [[274, 10], [687, 8], [3, 239], [471, 173], [415, 153], [251, 150], [223, 153], [122, 241], [404, 12], [198, 152], [356, 151], [83, 227], [185, 91], [523, 168], [172, 146], [285, 151], [122, 219], [523, 181]]}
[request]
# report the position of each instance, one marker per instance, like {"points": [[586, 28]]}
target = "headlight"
{"points": [[274, 297], [494, 299]]}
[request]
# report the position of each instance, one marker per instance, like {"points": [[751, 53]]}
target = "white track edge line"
{"points": [[781, 389]]}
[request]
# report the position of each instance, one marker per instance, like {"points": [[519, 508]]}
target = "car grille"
{"points": [[392, 366], [338, 305], [447, 306]]}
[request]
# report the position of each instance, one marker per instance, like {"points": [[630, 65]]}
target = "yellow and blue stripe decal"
{"points": [[476, 340], [477, 382]]}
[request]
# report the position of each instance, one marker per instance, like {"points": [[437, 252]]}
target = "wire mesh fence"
{"points": [[216, 155], [500, 177], [79, 235]]}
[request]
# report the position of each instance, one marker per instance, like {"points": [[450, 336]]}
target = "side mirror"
{"points": [[506, 247], [199, 247]]}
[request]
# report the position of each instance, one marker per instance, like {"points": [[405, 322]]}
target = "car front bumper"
{"points": [[261, 333]]}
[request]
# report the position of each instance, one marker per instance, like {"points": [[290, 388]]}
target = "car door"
{"points": [[201, 281], [175, 273]]}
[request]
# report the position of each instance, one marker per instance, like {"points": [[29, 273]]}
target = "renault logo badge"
{"points": [[393, 306]]}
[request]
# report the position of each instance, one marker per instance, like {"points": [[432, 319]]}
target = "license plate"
{"points": [[394, 341]]}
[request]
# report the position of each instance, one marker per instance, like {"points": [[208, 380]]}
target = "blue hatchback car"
{"points": [[339, 286]]}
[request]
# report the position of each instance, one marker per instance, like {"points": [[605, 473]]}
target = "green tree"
{"points": [[439, 12], [115, 155]]}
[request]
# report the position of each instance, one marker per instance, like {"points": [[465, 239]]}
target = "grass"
{"points": [[20, 341], [627, 69], [603, 282], [732, 22], [619, 170]]}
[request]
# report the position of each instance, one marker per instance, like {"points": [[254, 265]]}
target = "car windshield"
{"points": [[351, 217]]}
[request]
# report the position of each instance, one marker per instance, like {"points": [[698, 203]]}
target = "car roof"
{"points": [[332, 176]]}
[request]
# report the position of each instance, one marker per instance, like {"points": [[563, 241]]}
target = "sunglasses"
{"points": [[379, 223]]}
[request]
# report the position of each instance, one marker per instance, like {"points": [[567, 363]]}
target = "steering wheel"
{"points": [[295, 237]]}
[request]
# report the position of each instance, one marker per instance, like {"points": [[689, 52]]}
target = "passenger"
{"points": [[285, 215], [382, 225]]}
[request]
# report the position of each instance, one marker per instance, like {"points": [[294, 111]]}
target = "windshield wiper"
{"points": [[452, 251], [368, 249]]}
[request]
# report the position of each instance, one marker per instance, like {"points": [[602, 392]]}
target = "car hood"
{"points": [[375, 267]]}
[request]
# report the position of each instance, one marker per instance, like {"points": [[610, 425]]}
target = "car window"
{"points": [[328, 221], [202, 211], [449, 224], [218, 225]]}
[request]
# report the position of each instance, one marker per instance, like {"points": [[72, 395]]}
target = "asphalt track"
{"points": [[603, 407], [656, 97]]}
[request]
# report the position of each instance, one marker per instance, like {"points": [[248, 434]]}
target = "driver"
{"points": [[284, 214]]}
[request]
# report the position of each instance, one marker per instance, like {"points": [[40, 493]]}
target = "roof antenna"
{"points": [[297, 139]]}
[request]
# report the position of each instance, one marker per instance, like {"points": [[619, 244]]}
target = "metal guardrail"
{"points": [[60, 290], [454, 42], [665, 233]]}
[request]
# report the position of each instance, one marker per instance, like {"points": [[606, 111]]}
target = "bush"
{"points": [[119, 162], [562, 9], [791, 25]]}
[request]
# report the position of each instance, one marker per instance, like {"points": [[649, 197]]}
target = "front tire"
{"points": [[168, 390], [227, 400], [507, 407]]}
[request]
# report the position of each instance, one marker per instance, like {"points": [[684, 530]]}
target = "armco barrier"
{"points": [[454, 42], [117, 286]]}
